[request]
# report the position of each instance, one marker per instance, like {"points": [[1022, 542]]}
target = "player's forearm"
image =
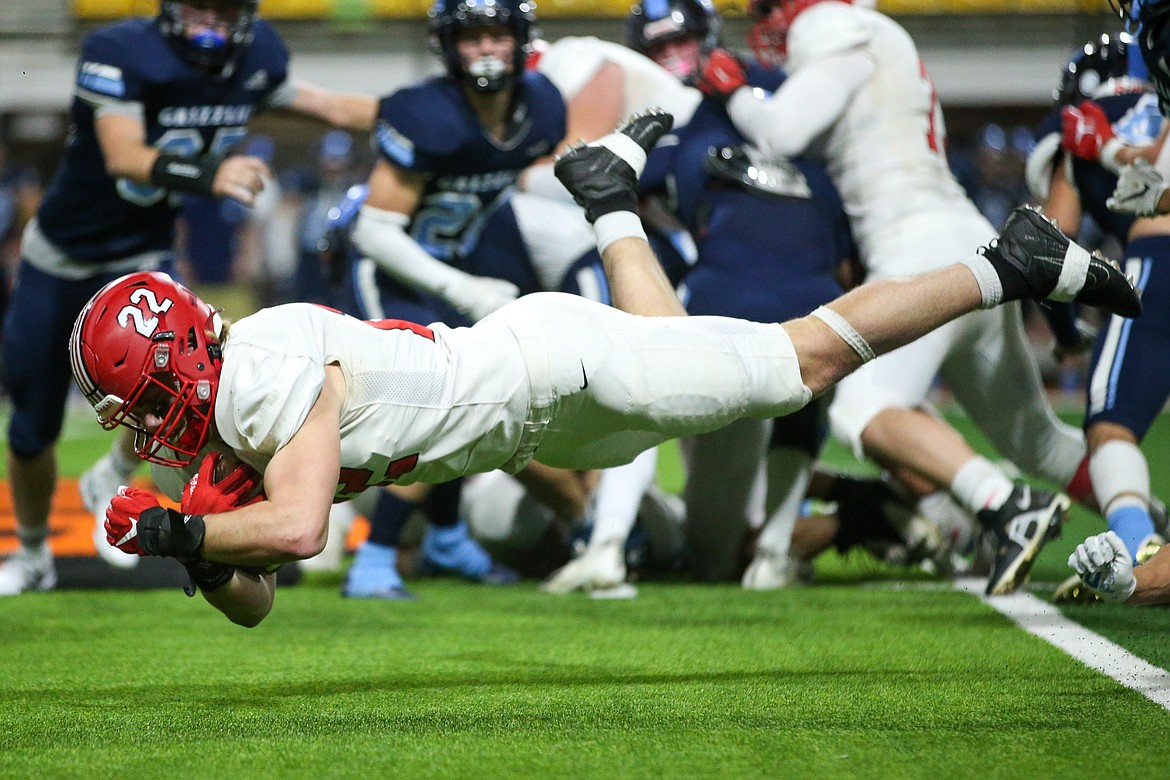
{"points": [[263, 534], [1153, 580], [341, 109], [124, 149], [246, 599]]}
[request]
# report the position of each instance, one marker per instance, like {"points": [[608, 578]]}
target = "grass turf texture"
{"points": [[850, 678]]}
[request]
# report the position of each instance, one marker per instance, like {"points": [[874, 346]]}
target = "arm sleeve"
{"points": [[381, 236], [808, 103]]}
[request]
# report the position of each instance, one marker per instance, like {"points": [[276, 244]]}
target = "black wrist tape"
{"points": [[207, 575], [168, 532], [186, 174]]}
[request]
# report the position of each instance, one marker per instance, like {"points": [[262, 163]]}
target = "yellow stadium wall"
{"points": [[415, 9]]}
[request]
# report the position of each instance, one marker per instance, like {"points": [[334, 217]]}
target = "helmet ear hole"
{"points": [[140, 346]]}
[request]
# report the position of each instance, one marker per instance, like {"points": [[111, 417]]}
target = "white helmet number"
{"points": [[142, 324]]}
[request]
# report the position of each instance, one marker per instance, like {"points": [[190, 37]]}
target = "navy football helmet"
{"points": [[212, 50], [1149, 21], [655, 21], [1093, 67], [448, 17]]}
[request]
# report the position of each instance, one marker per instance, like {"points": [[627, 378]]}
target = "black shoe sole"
{"points": [[1008, 581]]}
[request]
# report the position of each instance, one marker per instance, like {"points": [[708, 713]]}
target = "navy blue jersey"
{"points": [[431, 129], [1137, 121], [760, 257], [94, 218]]}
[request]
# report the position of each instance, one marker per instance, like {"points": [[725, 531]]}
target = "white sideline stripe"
{"points": [[1045, 621]]}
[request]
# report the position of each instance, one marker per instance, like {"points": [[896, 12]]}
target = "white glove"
{"points": [[1104, 565], [1139, 188], [478, 296]]}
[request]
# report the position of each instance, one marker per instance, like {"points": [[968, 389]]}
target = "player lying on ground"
{"points": [[325, 406]]}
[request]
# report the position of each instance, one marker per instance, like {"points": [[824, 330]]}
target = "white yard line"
{"points": [[1043, 620]]}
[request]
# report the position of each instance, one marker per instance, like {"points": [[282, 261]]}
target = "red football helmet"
{"points": [[768, 36], [145, 351]]}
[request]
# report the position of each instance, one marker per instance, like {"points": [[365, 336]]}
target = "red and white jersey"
{"points": [[571, 62], [887, 151], [422, 403]]}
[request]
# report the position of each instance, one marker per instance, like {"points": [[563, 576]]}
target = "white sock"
{"points": [[617, 225], [789, 470], [618, 496], [990, 288], [980, 485], [1118, 468]]}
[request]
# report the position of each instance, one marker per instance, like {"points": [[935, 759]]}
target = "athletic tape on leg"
{"points": [[626, 148], [846, 331], [1072, 273]]}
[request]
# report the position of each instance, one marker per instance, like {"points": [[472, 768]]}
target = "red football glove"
{"points": [[1085, 130], [211, 491], [122, 517], [720, 74]]}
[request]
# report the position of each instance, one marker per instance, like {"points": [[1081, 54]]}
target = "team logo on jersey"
{"points": [[204, 116], [539, 149], [101, 78], [257, 82], [477, 183]]}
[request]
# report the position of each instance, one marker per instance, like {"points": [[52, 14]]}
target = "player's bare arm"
{"points": [[300, 481], [1153, 580], [246, 599], [395, 189], [1063, 204], [380, 232], [347, 110], [123, 141], [564, 491]]}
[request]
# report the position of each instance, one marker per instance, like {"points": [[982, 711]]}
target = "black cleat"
{"points": [[1057, 268], [1021, 527], [602, 176], [1074, 591]]}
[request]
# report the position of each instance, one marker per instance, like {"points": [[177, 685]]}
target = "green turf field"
{"points": [[855, 677]]}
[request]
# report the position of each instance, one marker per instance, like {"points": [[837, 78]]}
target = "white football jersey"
{"points": [[887, 152], [571, 62], [422, 404]]}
